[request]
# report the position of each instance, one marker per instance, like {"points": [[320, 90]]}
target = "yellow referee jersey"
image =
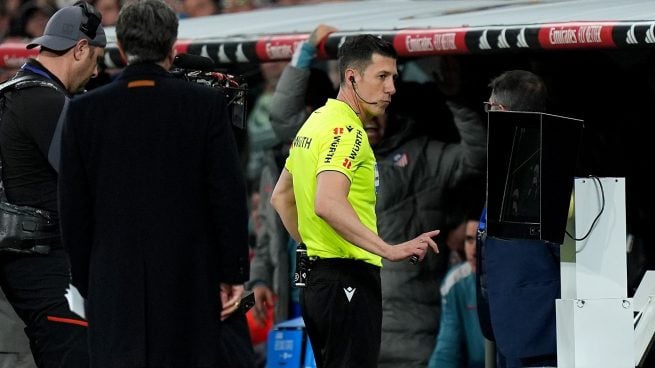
{"points": [[333, 138]]}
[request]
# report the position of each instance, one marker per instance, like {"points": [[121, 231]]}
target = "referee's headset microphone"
{"points": [[352, 81]]}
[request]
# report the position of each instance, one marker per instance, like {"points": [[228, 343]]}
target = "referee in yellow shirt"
{"points": [[326, 199]]}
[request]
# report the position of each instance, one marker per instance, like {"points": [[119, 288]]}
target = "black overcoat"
{"points": [[153, 215]]}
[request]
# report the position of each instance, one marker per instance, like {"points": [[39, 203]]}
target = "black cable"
{"points": [[602, 208]]}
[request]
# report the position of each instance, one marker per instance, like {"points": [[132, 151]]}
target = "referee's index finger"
{"points": [[432, 233]]}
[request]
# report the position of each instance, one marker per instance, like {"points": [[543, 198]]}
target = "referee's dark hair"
{"points": [[357, 52]]}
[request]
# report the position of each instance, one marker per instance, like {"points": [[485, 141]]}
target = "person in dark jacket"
{"points": [[518, 279], [34, 281], [153, 206]]}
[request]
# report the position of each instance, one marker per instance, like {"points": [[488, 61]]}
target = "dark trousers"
{"points": [[342, 310], [523, 282], [35, 286]]}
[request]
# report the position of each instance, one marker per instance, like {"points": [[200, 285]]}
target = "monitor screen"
{"points": [[531, 161], [521, 194]]}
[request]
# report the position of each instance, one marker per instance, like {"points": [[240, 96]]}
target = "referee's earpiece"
{"points": [[352, 79]]}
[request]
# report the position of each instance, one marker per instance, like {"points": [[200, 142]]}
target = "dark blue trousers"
{"points": [[522, 281]]}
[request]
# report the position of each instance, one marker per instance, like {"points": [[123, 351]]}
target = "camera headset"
{"points": [[93, 19]]}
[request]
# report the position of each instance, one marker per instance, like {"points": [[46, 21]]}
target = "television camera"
{"points": [[201, 70]]}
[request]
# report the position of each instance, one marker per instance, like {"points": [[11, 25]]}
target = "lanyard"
{"points": [[36, 70]]}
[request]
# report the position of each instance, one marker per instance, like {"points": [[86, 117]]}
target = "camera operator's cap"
{"points": [[69, 25]]}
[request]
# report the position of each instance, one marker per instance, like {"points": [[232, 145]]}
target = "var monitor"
{"points": [[531, 159]]}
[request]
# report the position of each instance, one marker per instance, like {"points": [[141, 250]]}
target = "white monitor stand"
{"points": [[596, 323]]}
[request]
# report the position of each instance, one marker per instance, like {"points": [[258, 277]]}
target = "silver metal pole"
{"points": [[489, 354]]}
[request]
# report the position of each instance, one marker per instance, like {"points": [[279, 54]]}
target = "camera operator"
{"points": [[34, 268], [153, 206]]}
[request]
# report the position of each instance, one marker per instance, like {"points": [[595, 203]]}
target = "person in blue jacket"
{"points": [[460, 342]]}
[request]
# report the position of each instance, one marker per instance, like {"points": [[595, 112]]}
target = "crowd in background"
{"points": [[23, 20]]}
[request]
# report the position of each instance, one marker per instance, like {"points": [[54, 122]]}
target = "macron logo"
{"points": [[349, 292]]}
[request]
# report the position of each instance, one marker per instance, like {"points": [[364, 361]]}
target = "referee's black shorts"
{"points": [[342, 309]]}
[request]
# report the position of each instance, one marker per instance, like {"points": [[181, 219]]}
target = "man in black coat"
{"points": [[153, 206]]}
